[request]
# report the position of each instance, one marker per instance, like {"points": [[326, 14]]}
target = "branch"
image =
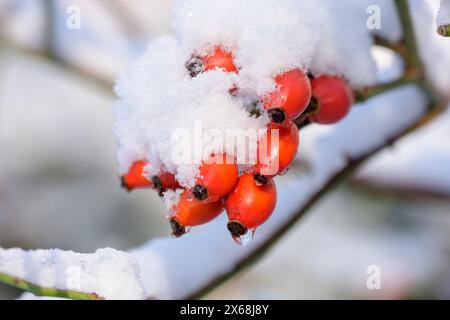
{"points": [[45, 291], [88, 76], [367, 93], [105, 274], [414, 67]]}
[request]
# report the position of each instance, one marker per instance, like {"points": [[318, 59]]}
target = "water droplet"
{"points": [[245, 239], [282, 173]]}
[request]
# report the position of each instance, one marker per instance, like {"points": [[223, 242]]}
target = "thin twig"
{"points": [[414, 67], [44, 291], [88, 76]]}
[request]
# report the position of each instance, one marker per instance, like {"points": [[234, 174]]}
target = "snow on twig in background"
{"points": [[105, 274]]}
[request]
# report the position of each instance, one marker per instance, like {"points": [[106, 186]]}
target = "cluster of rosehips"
{"points": [[249, 199]]}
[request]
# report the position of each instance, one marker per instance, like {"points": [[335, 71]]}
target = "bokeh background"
{"points": [[59, 187]]}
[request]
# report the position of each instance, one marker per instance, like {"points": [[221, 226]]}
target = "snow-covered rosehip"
{"points": [[332, 98], [218, 58], [276, 150], [136, 178], [290, 98], [165, 181], [249, 205], [191, 212], [216, 178]]}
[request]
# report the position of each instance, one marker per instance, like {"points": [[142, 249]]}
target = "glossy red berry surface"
{"points": [[333, 98], [250, 204], [191, 212], [277, 149], [290, 98], [135, 178], [216, 179]]}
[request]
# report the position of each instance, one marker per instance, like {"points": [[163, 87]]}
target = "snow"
{"points": [[165, 263], [433, 48], [443, 17], [109, 273], [156, 97], [159, 103]]}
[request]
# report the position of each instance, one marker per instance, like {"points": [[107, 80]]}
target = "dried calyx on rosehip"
{"points": [[137, 178], [249, 206], [216, 178], [218, 58], [190, 212], [290, 98]]}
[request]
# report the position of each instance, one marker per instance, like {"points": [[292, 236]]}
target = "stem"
{"points": [[50, 36], [413, 62], [394, 46], [367, 93], [44, 291]]}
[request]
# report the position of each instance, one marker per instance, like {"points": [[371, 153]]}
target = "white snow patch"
{"points": [[443, 17], [267, 37], [109, 273]]}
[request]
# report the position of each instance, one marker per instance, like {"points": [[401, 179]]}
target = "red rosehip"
{"points": [[165, 181], [191, 212], [274, 157], [290, 98], [216, 178], [136, 178], [249, 205], [219, 58], [333, 98]]}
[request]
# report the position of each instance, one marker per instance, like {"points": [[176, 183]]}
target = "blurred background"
{"points": [[59, 187]]}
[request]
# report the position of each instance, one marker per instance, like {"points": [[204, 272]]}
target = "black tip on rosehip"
{"points": [[309, 75], [236, 229], [124, 185], [260, 179], [177, 229], [277, 115], [157, 184], [195, 66], [200, 192]]}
